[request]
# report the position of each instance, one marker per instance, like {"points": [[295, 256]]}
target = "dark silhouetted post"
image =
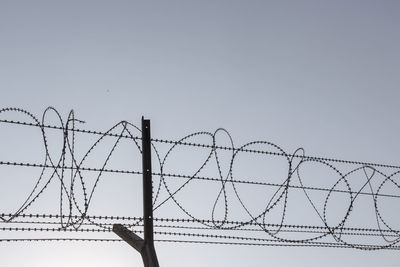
{"points": [[146, 245]]}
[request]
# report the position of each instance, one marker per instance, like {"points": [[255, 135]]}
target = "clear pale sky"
{"points": [[323, 75]]}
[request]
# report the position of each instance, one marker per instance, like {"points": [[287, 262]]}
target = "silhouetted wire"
{"points": [[254, 241], [315, 244], [158, 140], [70, 130], [38, 165], [70, 222], [174, 227], [183, 176], [111, 219]]}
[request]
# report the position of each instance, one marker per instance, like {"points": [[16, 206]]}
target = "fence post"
{"points": [[146, 245]]}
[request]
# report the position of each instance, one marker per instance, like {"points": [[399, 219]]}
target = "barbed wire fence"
{"points": [[206, 189]]}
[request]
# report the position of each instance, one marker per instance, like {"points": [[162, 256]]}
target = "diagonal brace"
{"points": [[129, 237]]}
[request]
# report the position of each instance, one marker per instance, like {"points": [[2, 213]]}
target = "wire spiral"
{"points": [[292, 199]]}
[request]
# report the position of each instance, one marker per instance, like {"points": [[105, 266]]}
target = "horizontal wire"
{"points": [[69, 129], [182, 220], [270, 184], [318, 244], [208, 146], [278, 154], [39, 165], [178, 227], [203, 178], [271, 229], [61, 229], [248, 238], [58, 223], [57, 216], [104, 230], [208, 236]]}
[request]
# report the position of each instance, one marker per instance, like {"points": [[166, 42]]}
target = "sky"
{"points": [[322, 75]]}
